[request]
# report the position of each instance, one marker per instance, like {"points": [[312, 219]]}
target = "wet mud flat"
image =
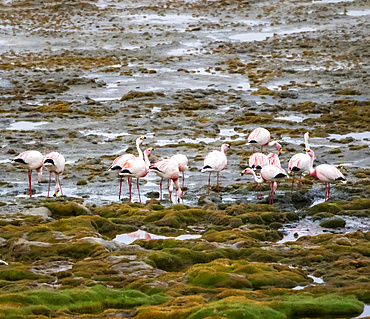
{"points": [[86, 78]]}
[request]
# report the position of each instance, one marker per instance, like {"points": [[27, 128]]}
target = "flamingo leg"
{"points": [[328, 190], [169, 192], [129, 187], [49, 184], [120, 188], [60, 185], [218, 183], [209, 182], [183, 180], [300, 182], [291, 190], [160, 189], [272, 193], [138, 189], [29, 180]]}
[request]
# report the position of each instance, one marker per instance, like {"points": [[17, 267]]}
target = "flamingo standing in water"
{"points": [[167, 169], [54, 162], [182, 161], [31, 160], [262, 137], [269, 174], [300, 163], [325, 173], [215, 161], [137, 167], [121, 160]]}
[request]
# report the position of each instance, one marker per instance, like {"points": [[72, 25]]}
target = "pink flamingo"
{"points": [[54, 162], [121, 160], [273, 159], [262, 137], [137, 167], [167, 169], [299, 164], [325, 173], [270, 174], [31, 160], [182, 161], [215, 161], [258, 160]]}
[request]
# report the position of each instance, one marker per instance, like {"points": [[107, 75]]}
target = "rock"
{"points": [[22, 245], [51, 267], [111, 245], [288, 94], [43, 212], [333, 223]]}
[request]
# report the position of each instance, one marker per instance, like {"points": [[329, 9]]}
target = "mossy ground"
{"points": [[229, 272]]}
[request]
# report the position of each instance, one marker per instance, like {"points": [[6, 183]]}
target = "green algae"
{"points": [[83, 301]]}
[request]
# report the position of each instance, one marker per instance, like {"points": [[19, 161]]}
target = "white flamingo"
{"points": [[182, 162], [325, 173], [121, 160], [300, 164], [167, 169], [262, 137], [215, 161], [54, 162], [269, 174], [31, 160], [137, 167]]}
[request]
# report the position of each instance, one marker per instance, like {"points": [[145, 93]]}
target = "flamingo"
{"points": [[137, 167], [215, 161], [273, 159], [262, 137], [270, 174], [167, 169], [54, 162], [31, 160], [257, 161], [121, 160], [300, 163], [182, 161], [325, 173]]}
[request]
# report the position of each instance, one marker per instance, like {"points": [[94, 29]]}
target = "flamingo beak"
{"points": [[243, 172], [280, 152], [55, 194], [306, 150], [151, 149], [143, 138]]}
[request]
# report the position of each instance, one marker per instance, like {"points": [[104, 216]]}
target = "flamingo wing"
{"points": [[257, 161]]}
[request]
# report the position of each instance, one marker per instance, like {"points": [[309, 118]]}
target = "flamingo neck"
{"points": [[138, 142], [258, 180], [311, 170], [272, 143], [146, 159], [306, 141]]}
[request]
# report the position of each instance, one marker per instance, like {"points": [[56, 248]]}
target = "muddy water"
{"points": [[182, 51]]}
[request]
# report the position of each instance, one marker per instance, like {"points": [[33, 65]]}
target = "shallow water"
{"points": [[141, 234], [26, 126]]}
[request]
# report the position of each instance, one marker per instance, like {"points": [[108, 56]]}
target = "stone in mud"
{"points": [[333, 223], [43, 212]]}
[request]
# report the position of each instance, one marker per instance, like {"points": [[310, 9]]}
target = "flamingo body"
{"points": [[299, 164], [262, 137], [273, 159], [54, 162], [31, 160], [325, 173]]}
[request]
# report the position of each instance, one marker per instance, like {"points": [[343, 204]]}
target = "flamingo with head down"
{"points": [[54, 162], [31, 160], [262, 137], [300, 163], [215, 161], [325, 173], [182, 162], [269, 174], [167, 169]]}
